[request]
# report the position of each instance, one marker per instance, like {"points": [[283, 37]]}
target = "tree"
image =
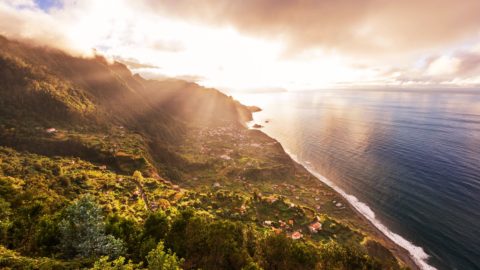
{"points": [[252, 266], [336, 256], [47, 234], [137, 175], [118, 264], [156, 225], [23, 228], [5, 222], [82, 231], [158, 259], [280, 252], [129, 231], [208, 243]]}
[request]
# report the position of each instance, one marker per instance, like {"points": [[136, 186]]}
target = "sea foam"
{"points": [[417, 253]]}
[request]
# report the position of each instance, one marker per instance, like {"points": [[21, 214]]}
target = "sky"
{"points": [[259, 45]]}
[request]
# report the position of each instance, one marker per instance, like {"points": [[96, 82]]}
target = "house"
{"points": [[315, 227], [277, 230], [297, 235], [153, 206], [225, 157], [216, 185], [50, 130], [268, 222], [272, 199]]}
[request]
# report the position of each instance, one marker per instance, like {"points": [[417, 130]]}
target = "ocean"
{"points": [[408, 160]]}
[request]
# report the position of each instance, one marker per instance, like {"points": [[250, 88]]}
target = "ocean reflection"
{"points": [[413, 157]]}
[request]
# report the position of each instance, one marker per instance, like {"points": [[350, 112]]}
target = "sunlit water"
{"points": [[412, 157]]}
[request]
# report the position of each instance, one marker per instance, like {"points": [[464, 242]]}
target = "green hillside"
{"points": [[102, 169]]}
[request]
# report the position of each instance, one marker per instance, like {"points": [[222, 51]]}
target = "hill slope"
{"points": [[89, 151]]}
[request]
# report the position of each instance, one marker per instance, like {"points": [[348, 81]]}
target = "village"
{"points": [[249, 162]]}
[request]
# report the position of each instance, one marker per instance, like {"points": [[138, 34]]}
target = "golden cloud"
{"points": [[368, 26]]}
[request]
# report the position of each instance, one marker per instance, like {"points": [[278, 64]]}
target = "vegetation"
{"points": [[158, 259], [82, 232], [102, 169]]}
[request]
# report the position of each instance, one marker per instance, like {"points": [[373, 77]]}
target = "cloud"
{"points": [[162, 45], [134, 64], [359, 27], [23, 3], [469, 63], [153, 74], [80, 26], [443, 66], [461, 67], [329, 42], [190, 78], [23, 20]]}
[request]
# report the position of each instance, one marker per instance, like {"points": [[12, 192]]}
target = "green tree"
{"points": [[159, 259], [137, 175], [156, 225], [336, 256], [176, 238], [118, 264], [5, 221], [252, 266], [23, 228], [47, 234], [82, 231], [210, 244], [280, 252], [129, 231]]}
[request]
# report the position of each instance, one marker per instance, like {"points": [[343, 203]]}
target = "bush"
{"points": [[22, 231], [156, 225], [47, 236], [335, 256], [5, 222], [158, 259], [127, 230], [118, 264], [280, 252], [210, 244]]}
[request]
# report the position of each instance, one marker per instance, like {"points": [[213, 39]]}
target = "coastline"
{"points": [[397, 249], [415, 260]]}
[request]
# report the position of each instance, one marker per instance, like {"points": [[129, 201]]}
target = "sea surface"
{"points": [[409, 159]]}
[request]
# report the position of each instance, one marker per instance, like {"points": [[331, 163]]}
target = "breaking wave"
{"points": [[417, 253]]}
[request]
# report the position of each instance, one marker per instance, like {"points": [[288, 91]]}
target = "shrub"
{"points": [[280, 252], [118, 264], [156, 225], [5, 222], [159, 259], [127, 230]]}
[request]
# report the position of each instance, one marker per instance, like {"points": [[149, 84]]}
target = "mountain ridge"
{"points": [[169, 153]]}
